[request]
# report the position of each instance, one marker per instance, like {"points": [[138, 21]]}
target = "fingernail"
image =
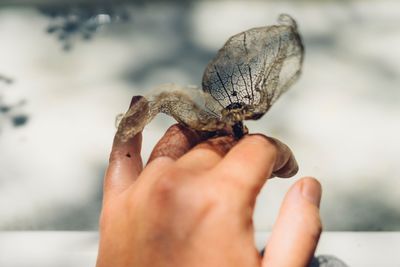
{"points": [[311, 190]]}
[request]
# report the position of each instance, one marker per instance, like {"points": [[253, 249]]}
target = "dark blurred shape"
{"points": [[69, 22], [4, 109], [19, 120], [367, 212], [11, 111], [188, 55], [327, 261], [262, 252], [5, 79], [321, 261]]}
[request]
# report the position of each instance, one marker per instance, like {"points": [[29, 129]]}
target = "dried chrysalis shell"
{"points": [[246, 77]]}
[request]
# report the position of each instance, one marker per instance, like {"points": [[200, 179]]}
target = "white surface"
{"points": [[341, 119], [76, 249]]}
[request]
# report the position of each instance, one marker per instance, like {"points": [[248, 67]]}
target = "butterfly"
{"points": [[248, 74]]}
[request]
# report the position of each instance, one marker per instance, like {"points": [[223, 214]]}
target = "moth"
{"points": [[248, 74]]}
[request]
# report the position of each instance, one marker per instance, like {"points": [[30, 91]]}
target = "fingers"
{"points": [[296, 232], [125, 163], [254, 159], [189, 149], [124, 166], [286, 164], [206, 155], [176, 141]]}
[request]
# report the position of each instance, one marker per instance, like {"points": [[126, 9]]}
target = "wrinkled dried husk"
{"points": [[253, 68], [174, 101]]}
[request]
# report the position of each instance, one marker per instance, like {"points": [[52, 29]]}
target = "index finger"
{"points": [[125, 163]]}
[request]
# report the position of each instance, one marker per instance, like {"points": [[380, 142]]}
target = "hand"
{"points": [[192, 205]]}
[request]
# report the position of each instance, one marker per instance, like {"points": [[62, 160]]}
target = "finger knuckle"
{"points": [[312, 225], [318, 227], [179, 190], [120, 156], [114, 156], [197, 202], [167, 184]]}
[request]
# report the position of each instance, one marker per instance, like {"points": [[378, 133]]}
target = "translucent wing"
{"points": [[186, 105], [255, 67]]}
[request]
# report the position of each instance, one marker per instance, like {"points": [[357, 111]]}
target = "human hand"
{"points": [[192, 205]]}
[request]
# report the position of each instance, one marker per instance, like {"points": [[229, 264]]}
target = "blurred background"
{"points": [[67, 68]]}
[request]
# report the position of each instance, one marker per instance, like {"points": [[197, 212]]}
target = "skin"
{"points": [[192, 205]]}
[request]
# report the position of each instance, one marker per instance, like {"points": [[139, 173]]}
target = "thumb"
{"points": [[296, 232]]}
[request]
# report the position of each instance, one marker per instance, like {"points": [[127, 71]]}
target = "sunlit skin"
{"points": [[192, 204]]}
